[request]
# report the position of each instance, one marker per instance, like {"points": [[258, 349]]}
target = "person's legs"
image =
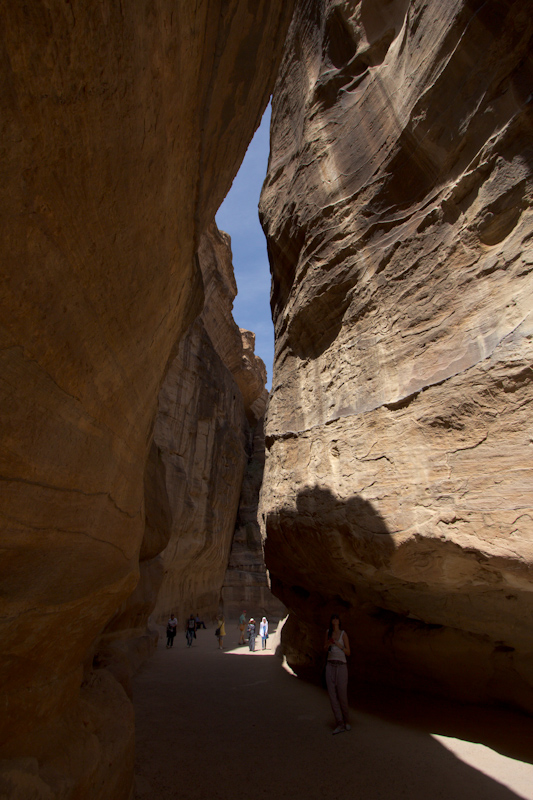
{"points": [[342, 692], [331, 683]]}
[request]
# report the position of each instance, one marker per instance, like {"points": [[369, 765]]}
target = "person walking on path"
{"points": [[251, 634], [242, 626], [190, 630], [338, 647], [221, 631], [171, 630], [263, 632]]}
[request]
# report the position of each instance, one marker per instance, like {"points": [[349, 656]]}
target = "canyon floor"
{"points": [[232, 724]]}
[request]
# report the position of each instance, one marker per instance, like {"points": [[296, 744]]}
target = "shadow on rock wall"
{"points": [[322, 536], [329, 555]]}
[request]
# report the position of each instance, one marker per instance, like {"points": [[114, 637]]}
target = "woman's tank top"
{"points": [[335, 653]]}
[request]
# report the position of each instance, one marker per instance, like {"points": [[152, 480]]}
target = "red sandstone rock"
{"points": [[122, 128], [398, 214], [246, 584], [202, 438]]}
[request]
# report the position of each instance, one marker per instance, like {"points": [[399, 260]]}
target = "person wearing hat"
{"points": [[251, 634], [263, 632]]}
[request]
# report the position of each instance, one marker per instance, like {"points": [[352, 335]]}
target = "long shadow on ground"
{"points": [[214, 724]]}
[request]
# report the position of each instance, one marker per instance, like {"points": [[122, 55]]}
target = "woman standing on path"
{"points": [[338, 648], [221, 631], [263, 632]]}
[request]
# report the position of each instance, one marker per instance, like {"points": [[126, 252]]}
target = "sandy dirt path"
{"points": [[233, 724]]}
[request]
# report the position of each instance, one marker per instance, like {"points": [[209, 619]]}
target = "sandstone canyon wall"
{"points": [[246, 585], [122, 129], [203, 436], [397, 206]]}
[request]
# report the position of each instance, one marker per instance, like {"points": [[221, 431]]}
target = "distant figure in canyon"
{"points": [[171, 630], [199, 623], [338, 647], [263, 632], [242, 626], [251, 634], [190, 630], [221, 631]]}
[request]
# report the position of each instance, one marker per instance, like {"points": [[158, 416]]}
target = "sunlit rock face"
{"points": [[398, 484], [123, 128], [202, 441]]}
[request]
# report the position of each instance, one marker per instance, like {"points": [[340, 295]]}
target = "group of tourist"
{"points": [[336, 645], [251, 630], [245, 626], [193, 624]]}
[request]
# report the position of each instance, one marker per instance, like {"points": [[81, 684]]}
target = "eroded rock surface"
{"points": [[246, 585], [202, 441], [397, 206], [123, 129]]}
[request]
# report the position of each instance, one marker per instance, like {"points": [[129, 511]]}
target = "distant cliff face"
{"points": [[398, 485], [246, 585], [202, 440], [123, 129]]}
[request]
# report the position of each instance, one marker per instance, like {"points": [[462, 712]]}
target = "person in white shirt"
{"points": [[263, 632], [171, 630], [338, 647]]}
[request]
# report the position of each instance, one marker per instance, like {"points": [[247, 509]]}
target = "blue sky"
{"points": [[238, 216]]}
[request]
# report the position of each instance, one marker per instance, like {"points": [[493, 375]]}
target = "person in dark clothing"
{"points": [[171, 630], [190, 630], [251, 634]]}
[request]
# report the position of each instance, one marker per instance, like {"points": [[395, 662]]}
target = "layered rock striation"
{"points": [[202, 442], [123, 130], [397, 206], [246, 584]]}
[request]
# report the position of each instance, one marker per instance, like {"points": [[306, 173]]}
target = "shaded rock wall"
{"points": [[202, 438], [246, 585], [122, 129], [397, 206]]}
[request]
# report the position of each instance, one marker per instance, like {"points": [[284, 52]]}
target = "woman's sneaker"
{"points": [[339, 729]]}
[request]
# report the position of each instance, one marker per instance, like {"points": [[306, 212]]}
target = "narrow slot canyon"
{"points": [[146, 469]]}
